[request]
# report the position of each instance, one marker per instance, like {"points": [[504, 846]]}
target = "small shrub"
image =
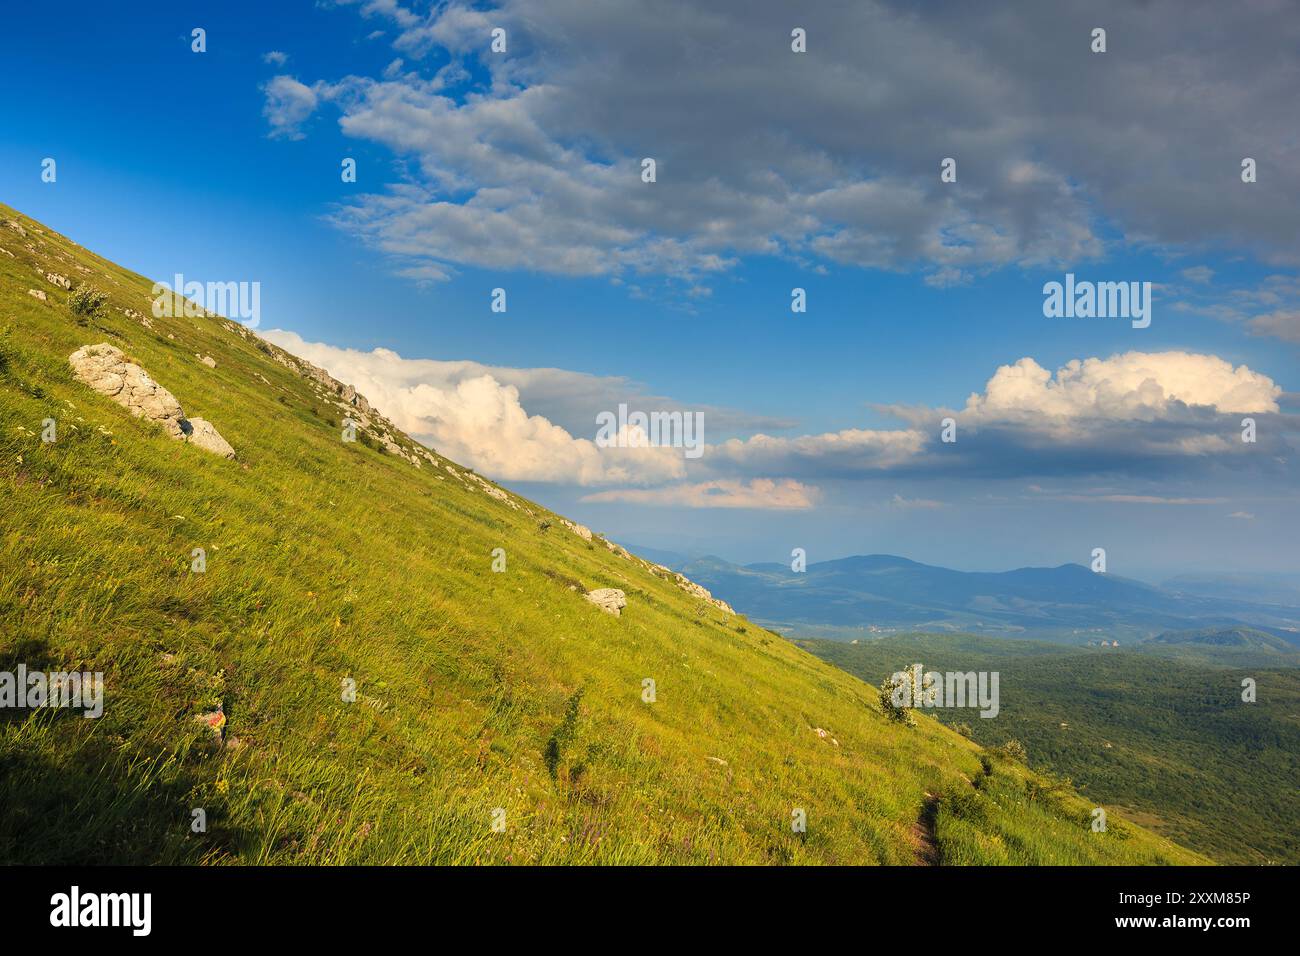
{"points": [[897, 685], [87, 302], [965, 805], [1012, 750], [964, 729]]}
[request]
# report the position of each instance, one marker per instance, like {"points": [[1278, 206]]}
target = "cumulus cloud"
{"points": [[1140, 413], [532, 160], [275, 58], [510, 423], [1136, 411], [758, 494], [1134, 386]]}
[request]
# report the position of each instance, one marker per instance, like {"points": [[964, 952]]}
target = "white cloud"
{"points": [[758, 494], [288, 105], [898, 501], [468, 414], [1127, 412], [1133, 386], [850, 451], [275, 58]]}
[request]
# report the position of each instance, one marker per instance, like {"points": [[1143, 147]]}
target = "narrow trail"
{"points": [[927, 848]]}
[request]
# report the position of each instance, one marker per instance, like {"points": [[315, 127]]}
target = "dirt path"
{"points": [[927, 848]]}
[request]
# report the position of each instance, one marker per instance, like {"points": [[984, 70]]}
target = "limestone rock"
{"points": [[701, 592], [609, 600], [582, 531], [105, 369], [63, 282], [201, 433], [207, 360], [38, 294]]}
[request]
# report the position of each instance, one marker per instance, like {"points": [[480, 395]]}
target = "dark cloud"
{"points": [[833, 153]]}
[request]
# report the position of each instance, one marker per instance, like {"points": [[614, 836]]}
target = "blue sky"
{"points": [[817, 170]]}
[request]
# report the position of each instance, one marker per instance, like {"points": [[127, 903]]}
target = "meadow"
{"points": [[498, 717]]}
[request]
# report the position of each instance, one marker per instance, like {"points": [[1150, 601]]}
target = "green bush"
{"points": [[902, 713], [87, 301], [1012, 750]]}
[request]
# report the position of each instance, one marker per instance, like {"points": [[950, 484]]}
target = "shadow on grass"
{"points": [[93, 807]]}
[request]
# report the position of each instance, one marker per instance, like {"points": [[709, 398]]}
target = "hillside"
{"points": [[882, 593], [481, 697], [1171, 740]]}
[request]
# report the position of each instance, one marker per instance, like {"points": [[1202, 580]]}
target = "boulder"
{"points": [[609, 600], [201, 433], [207, 360], [63, 282], [38, 294], [105, 369]]}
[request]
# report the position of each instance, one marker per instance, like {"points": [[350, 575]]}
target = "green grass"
{"points": [[476, 690], [1169, 740]]}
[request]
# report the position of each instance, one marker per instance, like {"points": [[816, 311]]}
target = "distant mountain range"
{"points": [[882, 593]]}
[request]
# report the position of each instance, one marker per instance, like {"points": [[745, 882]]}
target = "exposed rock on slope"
{"points": [[202, 434], [105, 369], [609, 600]]}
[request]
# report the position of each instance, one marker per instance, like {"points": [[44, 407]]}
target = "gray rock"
{"points": [[38, 294], [201, 433], [105, 369], [582, 531], [609, 600]]}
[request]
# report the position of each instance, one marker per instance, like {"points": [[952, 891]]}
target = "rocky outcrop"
{"points": [[105, 369], [63, 282], [609, 600], [582, 531], [38, 294], [344, 397], [701, 592]]}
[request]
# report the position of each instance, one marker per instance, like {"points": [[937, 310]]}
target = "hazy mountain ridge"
{"points": [[886, 593]]}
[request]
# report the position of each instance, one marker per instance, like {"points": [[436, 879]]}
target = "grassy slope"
{"points": [[477, 690], [1185, 754]]}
